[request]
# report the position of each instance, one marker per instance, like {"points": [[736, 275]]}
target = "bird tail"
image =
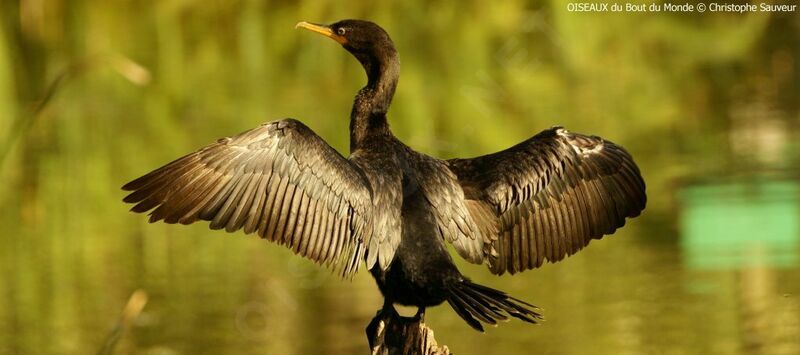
{"points": [[476, 303]]}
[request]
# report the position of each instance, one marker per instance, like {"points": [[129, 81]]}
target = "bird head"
{"points": [[357, 36], [368, 42]]}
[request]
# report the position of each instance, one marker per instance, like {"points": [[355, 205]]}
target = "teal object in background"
{"points": [[729, 225]]}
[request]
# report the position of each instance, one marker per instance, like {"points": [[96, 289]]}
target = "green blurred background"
{"points": [[96, 93]]}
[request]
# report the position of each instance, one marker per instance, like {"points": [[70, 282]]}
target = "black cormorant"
{"points": [[393, 208]]}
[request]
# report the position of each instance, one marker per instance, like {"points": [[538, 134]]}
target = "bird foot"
{"points": [[387, 311], [390, 333], [420, 316]]}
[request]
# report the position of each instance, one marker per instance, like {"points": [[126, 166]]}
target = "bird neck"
{"points": [[368, 117]]}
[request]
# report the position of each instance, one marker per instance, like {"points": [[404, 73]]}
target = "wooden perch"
{"points": [[389, 333]]}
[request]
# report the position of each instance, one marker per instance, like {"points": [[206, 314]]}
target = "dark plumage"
{"points": [[394, 208]]}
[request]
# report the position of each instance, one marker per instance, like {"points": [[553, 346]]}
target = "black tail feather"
{"points": [[484, 305], [464, 314], [476, 303], [474, 308]]}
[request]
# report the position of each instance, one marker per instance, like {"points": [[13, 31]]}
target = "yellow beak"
{"points": [[323, 30]]}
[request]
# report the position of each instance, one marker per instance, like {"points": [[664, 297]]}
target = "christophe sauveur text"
{"points": [[679, 7]]}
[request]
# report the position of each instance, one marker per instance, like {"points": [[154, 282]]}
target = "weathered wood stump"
{"points": [[389, 334]]}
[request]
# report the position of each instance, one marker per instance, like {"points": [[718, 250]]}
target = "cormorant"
{"points": [[394, 208]]}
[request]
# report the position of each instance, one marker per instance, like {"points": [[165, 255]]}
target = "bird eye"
{"points": [[341, 31]]}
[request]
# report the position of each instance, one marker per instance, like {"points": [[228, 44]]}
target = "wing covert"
{"points": [[451, 210]]}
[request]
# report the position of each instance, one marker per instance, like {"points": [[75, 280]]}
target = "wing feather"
{"points": [[279, 180], [549, 196]]}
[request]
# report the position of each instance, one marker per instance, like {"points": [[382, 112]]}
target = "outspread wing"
{"points": [[279, 180], [548, 196]]}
